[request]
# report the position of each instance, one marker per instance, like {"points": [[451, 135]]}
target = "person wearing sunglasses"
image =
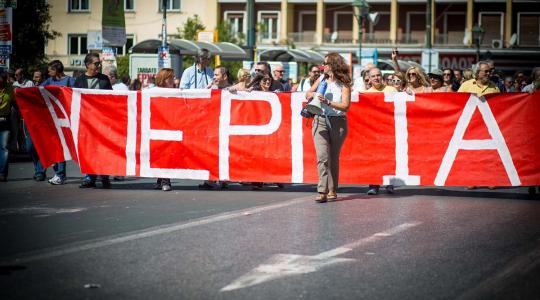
{"points": [[436, 78], [398, 81], [263, 67], [93, 79], [279, 73], [305, 83], [480, 85], [416, 81]]}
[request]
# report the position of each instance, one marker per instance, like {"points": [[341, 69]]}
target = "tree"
{"points": [[190, 28], [189, 32], [225, 34], [31, 32]]}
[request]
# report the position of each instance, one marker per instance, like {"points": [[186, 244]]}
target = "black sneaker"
{"points": [[86, 184]]}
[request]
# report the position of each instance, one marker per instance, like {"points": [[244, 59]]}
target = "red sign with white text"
{"points": [[423, 139]]}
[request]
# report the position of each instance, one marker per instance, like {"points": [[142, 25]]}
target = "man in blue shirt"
{"points": [[198, 76]]}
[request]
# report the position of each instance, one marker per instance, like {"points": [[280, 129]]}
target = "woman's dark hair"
{"points": [[256, 81], [56, 65], [88, 58], [136, 85], [339, 68]]}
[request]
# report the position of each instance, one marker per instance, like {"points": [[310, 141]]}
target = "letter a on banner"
{"points": [[458, 143], [58, 122]]}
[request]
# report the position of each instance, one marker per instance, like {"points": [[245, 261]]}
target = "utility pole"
{"points": [[250, 8], [428, 33], [164, 24]]}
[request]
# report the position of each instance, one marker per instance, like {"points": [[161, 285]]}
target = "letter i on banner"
{"points": [[402, 176], [458, 143], [58, 122]]}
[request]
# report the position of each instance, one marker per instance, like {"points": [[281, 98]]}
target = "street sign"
{"points": [[368, 55], [94, 40], [426, 54], [164, 58]]}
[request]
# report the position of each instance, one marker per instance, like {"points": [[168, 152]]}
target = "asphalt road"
{"points": [[131, 242]]}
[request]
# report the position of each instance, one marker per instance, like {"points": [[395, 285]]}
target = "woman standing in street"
{"points": [[330, 129]]}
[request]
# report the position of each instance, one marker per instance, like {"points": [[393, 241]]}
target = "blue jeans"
{"points": [[4, 152], [38, 168]]}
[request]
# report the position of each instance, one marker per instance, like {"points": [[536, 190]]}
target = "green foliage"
{"points": [[190, 28], [31, 32], [122, 65], [225, 34], [189, 32]]}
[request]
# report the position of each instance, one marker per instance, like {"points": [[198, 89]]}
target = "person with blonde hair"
{"points": [[416, 80], [243, 80], [468, 74], [330, 129]]}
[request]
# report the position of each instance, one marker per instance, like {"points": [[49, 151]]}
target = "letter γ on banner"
{"points": [[458, 143], [402, 176], [58, 122], [226, 129], [148, 134]]}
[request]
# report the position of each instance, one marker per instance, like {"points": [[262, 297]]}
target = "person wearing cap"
{"points": [[436, 78], [200, 75]]}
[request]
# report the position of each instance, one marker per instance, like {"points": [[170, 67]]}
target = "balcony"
{"points": [[453, 38], [306, 37]]}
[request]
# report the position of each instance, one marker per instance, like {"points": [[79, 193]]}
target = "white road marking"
{"points": [[39, 210], [283, 265], [93, 244]]}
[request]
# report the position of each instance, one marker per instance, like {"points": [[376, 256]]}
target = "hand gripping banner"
{"points": [[442, 139]]}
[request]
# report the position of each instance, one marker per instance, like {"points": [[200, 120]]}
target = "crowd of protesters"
{"points": [[483, 78]]}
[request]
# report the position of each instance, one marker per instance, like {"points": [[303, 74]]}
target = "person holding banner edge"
{"points": [[330, 129], [93, 79]]}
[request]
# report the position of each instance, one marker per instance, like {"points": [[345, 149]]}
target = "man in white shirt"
{"points": [[200, 75]]}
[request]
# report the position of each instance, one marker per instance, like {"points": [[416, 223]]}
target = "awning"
{"points": [[186, 47], [297, 55]]}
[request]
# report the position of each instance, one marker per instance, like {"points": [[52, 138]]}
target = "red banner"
{"points": [[423, 139]]}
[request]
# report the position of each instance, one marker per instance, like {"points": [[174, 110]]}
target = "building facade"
{"points": [[75, 18], [511, 27]]}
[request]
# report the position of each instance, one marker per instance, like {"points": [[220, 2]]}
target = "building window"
{"points": [[236, 21], [529, 29], [493, 24], [79, 5], [77, 44], [172, 5], [416, 27], [130, 41], [269, 25], [129, 5]]}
